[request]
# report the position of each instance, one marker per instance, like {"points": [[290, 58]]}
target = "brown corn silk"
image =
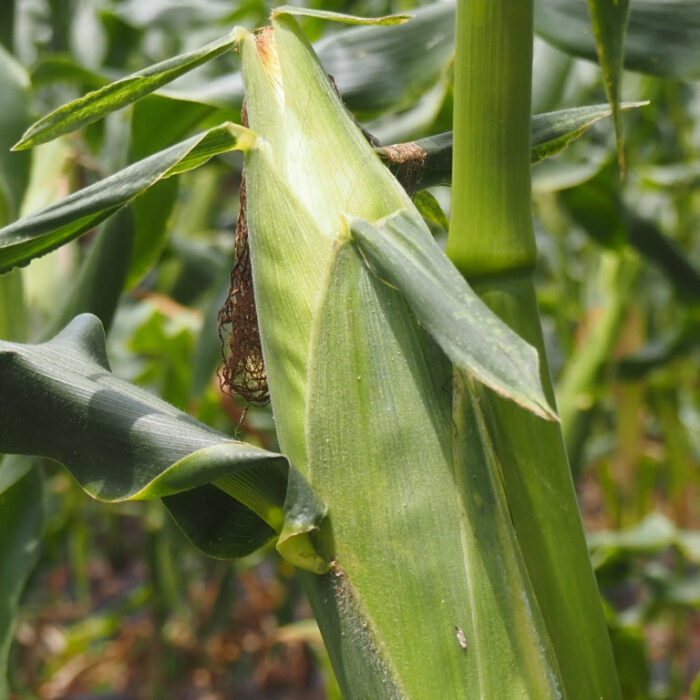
{"points": [[243, 370]]}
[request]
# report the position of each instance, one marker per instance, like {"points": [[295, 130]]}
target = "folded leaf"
{"points": [[50, 228], [59, 400], [406, 256]]}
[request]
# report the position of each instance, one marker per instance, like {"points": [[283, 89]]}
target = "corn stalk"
{"points": [[492, 243]]}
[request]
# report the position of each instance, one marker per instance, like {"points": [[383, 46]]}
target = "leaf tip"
{"points": [[22, 145]]}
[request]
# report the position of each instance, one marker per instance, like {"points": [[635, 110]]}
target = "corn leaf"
{"points": [[14, 117], [294, 11], [406, 256], [430, 209], [404, 542], [13, 320], [126, 91], [428, 161], [59, 400], [554, 131], [50, 228], [661, 34], [609, 21], [21, 525]]}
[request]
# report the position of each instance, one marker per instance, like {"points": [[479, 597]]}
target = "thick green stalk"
{"points": [[491, 241], [491, 222]]}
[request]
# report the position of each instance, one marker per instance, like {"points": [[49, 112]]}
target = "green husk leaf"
{"points": [[387, 20], [609, 21], [378, 412], [406, 256], [295, 208], [379, 422], [126, 91], [59, 400], [499, 576], [59, 223]]}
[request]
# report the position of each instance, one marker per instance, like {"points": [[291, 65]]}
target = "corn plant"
{"points": [[422, 485]]}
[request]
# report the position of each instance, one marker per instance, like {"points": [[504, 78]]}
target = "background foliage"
{"points": [[120, 605]]}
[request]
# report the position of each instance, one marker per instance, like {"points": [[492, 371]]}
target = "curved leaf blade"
{"points": [[59, 223], [97, 104], [59, 400], [405, 255]]}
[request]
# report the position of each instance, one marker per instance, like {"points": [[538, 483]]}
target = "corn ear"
{"points": [[313, 167], [362, 396]]}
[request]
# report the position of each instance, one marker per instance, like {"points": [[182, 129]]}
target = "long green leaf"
{"points": [[21, 524], [380, 68], [661, 34], [407, 257], [295, 11], [126, 91], [428, 161], [554, 131], [609, 21], [50, 228], [59, 400], [14, 117]]}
